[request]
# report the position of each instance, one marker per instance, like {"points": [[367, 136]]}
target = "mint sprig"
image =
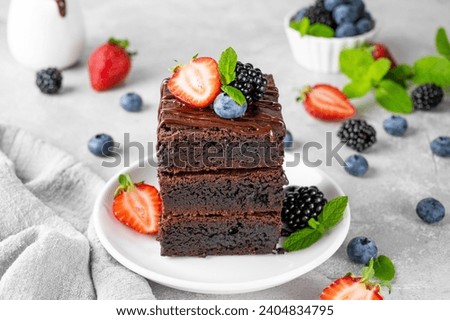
{"points": [[442, 43], [304, 27], [331, 215], [227, 70]]}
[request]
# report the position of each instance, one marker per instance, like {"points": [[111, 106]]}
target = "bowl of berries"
{"points": [[318, 33]]}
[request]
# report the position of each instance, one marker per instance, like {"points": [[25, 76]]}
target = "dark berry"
{"points": [[357, 134], [49, 80], [299, 205], [356, 165], [395, 126], [361, 250], [427, 96], [318, 14], [288, 140], [101, 145], [250, 81], [131, 102], [441, 147], [430, 210]]}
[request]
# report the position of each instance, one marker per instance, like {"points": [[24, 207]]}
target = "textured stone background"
{"points": [[403, 171]]}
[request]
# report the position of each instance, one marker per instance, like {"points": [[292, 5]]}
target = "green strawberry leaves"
{"points": [[331, 215], [227, 70], [305, 27]]}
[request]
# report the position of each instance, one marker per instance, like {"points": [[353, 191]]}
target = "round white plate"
{"points": [[214, 274]]}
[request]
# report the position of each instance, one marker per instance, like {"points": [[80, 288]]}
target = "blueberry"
{"points": [[363, 25], [227, 108], [299, 15], [100, 145], [288, 140], [345, 13], [361, 250], [367, 15], [356, 165], [430, 210], [346, 29], [441, 147], [359, 7], [131, 102], [331, 4], [395, 126]]}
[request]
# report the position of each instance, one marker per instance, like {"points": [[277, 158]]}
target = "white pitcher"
{"points": [[45, 33]]}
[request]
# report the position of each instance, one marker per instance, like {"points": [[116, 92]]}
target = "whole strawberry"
{"points": [[109, 64], [380, 50]]}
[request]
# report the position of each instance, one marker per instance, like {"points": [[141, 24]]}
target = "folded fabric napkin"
{"points": [[48, 245]]}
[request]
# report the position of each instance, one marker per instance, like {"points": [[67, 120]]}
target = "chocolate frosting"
{"points": [[261, 116], [62, 7]]}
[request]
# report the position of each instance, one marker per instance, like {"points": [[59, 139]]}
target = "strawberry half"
{"points": [[137, 205], [379, 51], [196, 84], [327, 103], [350, 288]]}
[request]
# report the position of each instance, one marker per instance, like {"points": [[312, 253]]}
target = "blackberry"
{"points": [[250, 81], [49, 80], [427, 97], [299, 205], [357, 134], [318, 14]]}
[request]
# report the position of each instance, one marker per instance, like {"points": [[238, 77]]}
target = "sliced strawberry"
{"points": [[137, 205], [380, 50], [350, 288], [198, 83], [327, 103]]}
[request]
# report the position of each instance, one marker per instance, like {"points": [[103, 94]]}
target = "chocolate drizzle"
{"points": [[261, 116], [62, 7]]}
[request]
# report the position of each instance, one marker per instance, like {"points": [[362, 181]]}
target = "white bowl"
{"points": [[321, 54]]}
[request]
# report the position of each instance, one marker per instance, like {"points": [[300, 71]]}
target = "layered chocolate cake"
{"points": [[221, 180]]}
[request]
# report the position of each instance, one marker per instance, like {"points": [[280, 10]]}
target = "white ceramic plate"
{"points": [[214, 274]]}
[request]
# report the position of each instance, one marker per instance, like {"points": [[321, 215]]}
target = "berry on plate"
{"points": [[109, 64], [318, 14], [427, 96], [380, 50], [361, 250], [345, 13], [346, 29], [430, 210], [101, 145], [356, 165], [327, 103], [288, 140], [331, 4], [49, 80], [137, 205], [131, 102], [357, 134], [364, 25], [197, 83], [351, 288], [441, 147], [225, 107], [395, 126]]}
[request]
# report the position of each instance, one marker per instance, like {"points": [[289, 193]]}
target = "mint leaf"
{"points": [[235, 94], [333, 212], [301, 239], [393, 97], [368, 271], [355, 63], [378, 70], [227, 66], [400, 74], [432, 70], [384, 268], [301, 26], [356, 89], [321, 30], [442, 43]]}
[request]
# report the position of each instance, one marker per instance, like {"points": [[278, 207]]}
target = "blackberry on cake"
{"points": [[427, 96], [357, 134], [250, 81]]}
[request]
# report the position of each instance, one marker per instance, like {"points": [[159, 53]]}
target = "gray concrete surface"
{"points": [[403, 170]]}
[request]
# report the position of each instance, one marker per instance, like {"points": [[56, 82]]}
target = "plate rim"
{"points": [[213, 287]]}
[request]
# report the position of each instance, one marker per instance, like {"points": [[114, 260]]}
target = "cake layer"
{"points": [[226, 191], [194, 139], [218, 235]]}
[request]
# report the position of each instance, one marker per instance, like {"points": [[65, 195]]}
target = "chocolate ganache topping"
{"points": [[61, 7]]}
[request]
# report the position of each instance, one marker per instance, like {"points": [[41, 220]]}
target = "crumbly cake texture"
{"points": [[221, 181]]}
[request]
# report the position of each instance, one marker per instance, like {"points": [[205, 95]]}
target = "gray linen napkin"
{"points": [[48, 245]]}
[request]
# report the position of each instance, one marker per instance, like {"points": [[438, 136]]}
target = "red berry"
{"points": [[109, 64], [350, 288], [379, 50], [196, 84], [138, 206], [327, 103]]}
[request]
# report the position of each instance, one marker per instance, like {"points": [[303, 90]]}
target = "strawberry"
{"points": [[196, 84], [137, 205], [350, 288], [379, 50], [109, 64], [327, 103]]}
